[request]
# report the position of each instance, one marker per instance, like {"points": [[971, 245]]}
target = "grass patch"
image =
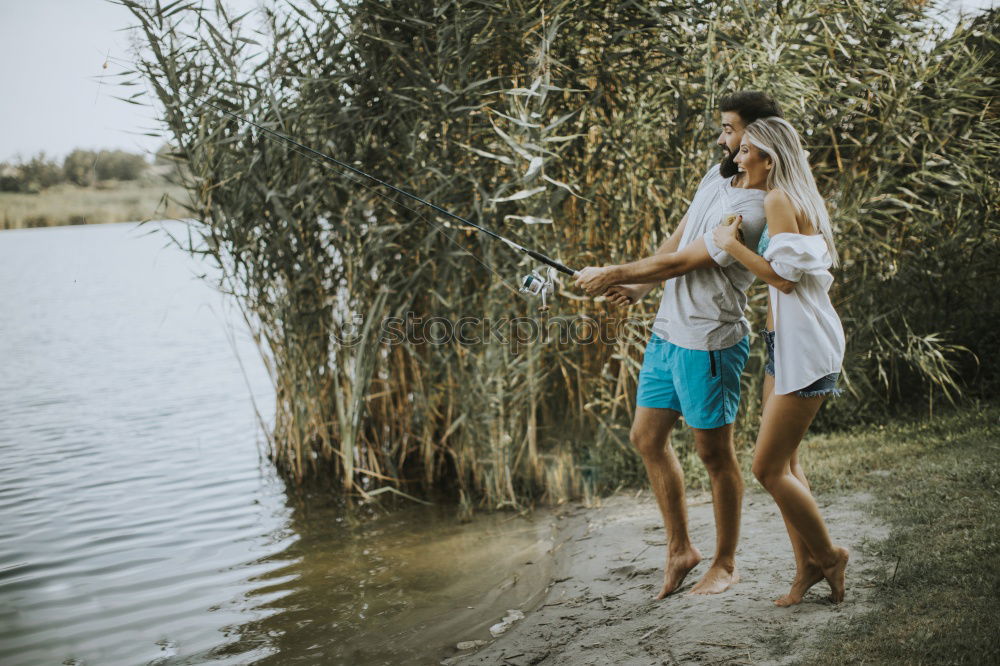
{"points": [[66, 204], [937, 484]]}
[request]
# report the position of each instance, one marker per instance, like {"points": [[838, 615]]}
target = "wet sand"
{"points": [[608, 566]]}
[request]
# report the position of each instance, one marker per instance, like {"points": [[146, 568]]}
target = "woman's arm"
{"points": [[780, 214], [757, 265]]}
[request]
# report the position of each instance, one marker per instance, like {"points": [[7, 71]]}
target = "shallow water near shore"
{"points": [[138, 521]]}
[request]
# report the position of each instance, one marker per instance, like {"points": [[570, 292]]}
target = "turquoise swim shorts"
{"points": [[703, 386]]}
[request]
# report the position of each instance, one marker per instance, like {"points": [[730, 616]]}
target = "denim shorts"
{"points": [[822, 386]]}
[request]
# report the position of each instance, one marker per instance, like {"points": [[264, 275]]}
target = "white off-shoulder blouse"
{"points": [[808, 336]]}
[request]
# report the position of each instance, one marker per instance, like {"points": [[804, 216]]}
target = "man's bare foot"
{"points": [[717, 579], [678, 566], [834, 575], [804, 579]]}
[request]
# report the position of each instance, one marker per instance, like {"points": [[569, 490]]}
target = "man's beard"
{"points": [[728, 168]]}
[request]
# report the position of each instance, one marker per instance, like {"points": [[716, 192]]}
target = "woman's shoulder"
{"points": [[780, 213], [777, 197], [778, 204]]}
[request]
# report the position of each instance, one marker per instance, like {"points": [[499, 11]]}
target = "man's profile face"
{"points": [[729, 142]]}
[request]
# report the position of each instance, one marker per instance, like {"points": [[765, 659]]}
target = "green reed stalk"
{"points": [[581, 128]]}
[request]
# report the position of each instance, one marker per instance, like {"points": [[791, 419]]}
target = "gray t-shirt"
{"points": [[704, 308]]}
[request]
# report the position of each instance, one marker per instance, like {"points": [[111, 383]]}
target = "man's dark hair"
{"points": [[750, 104]]}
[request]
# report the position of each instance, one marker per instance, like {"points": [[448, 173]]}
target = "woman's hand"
{"points": [[624, 294], [727, 235]]}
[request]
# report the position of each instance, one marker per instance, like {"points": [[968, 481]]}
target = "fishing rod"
{"points": [[533, 283]]}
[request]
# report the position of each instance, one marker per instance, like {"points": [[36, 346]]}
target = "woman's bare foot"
{"points": [[811, 574], [678, 566], [834, 575], [717, 579]]}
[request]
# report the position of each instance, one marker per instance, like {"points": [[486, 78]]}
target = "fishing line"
{"points": [[97, 94], [533, 283], [536, 255], [394, 202]]}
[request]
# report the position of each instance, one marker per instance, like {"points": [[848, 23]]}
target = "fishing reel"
{"points": [[535, 284]]}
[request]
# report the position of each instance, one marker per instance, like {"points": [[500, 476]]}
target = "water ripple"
{"points": [[136, 522]]}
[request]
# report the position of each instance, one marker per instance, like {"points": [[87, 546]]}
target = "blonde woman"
{"points": [[804, 338]]}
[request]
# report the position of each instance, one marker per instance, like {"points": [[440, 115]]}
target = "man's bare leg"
{"points": [[651, 436], [715, 447]]}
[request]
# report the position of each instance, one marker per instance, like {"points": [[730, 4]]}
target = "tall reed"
{"points": [[582, 129]]}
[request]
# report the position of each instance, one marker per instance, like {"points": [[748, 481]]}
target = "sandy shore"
{"points": [[599, 607]]}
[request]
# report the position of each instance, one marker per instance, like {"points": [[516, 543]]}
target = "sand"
{"points": [[599, 607]]}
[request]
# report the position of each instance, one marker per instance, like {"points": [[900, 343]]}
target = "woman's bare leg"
{"points": [[807, 570], [785, 421]]}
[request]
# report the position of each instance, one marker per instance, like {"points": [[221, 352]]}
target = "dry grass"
{"points": [[68, 204]]}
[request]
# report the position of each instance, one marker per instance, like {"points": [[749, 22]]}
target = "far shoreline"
{"points": [[111, 202]]}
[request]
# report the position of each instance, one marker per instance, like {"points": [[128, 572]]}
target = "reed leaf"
{"points": [[599, 119]]}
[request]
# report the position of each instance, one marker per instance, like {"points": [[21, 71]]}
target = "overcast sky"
{"points": [[52, 97], [51, 94]]}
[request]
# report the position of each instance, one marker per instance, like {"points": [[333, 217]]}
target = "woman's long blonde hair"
{"points": [[777, 139]]}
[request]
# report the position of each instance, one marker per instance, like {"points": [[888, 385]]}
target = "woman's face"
{"points": [[750, 161]]}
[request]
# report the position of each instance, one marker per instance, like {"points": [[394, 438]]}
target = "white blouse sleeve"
{"points": [[793, 255]]}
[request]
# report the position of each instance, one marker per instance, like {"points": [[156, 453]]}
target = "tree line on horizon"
{"points": [[81, 167]]}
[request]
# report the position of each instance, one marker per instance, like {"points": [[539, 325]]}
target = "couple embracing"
{"points": [[756, 214]]}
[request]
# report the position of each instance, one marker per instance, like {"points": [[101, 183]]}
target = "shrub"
{"points": [[38, 173], [79, 167], [119, 165]]}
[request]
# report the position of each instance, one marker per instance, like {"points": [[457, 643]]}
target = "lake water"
{"points": [[138, 522]]}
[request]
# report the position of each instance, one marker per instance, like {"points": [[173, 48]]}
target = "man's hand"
{"points": [[624, 294], [595, 280]]}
